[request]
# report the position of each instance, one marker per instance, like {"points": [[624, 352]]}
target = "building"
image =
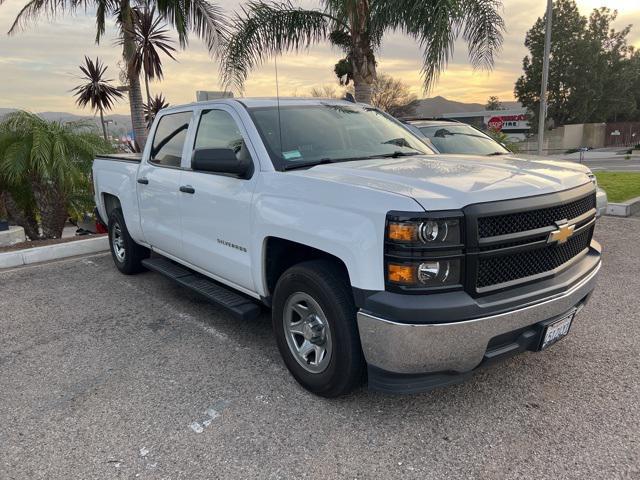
{"points": [[514, 122]]}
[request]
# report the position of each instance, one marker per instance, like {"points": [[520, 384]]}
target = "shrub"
{"points": [[45, 171]]}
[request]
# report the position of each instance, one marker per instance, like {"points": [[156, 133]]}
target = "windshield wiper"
{"points": [[399, 142], [395, 154], [495, 154], [293, 166]]}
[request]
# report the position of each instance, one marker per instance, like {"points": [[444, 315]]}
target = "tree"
{"points": [[392, 95], [18, 203], [152, 108], [325, 91], [151, 37], [591, 68], [265, 29], [494, 103], [97, 92], [49, 164], [198, 16]]}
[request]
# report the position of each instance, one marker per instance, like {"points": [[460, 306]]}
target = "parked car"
{"points": [[377, 257], [453, 137]]}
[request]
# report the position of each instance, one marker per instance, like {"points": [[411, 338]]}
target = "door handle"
{"points": [[187, 189], [143, 181]]}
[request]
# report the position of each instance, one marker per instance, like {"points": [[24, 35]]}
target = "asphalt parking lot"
{"points": [[107, 376]]}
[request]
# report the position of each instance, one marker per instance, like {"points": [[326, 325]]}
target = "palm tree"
{"points": [[151, 38], [265, 29], [19, 205], [97, 91], [152, 108], [199, 16], [52, 160]]}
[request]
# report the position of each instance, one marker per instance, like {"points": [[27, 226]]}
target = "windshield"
{"points": [[461, 139], [327, 133]]}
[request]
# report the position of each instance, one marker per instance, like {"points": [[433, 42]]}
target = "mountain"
{"points": [[436, 106], [121, 123]]}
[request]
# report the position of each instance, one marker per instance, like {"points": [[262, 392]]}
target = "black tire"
{"points": [[326, 283], [129, 262]]}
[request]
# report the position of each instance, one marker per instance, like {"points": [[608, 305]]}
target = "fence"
{"points": [[592, 135], [622, 134]]}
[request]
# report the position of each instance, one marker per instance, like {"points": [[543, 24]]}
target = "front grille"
{"points": [[507, 240], [507, 268], [530, 220]]}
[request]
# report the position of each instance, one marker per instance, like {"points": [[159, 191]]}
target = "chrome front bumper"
{"points": [[458, 346]]}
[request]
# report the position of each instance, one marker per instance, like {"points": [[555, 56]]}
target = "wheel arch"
{"points": [[110, 202], [280, 254]]}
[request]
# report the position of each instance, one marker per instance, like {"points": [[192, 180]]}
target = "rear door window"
{"points": [[168, 142]]}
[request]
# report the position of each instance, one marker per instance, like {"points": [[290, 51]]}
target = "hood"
{"points": [[443, 182]]}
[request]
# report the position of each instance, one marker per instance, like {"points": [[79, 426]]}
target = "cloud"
{"points": [[38, 66]]}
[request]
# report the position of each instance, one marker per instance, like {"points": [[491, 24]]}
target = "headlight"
{"points": [[423, 252], [593, 179], [425, 232], [429, 273]]}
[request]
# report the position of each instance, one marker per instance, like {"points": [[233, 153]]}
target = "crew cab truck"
{"points": [[379, 259]]}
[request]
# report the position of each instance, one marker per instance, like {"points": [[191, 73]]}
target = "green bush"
{"points": [[503, 139], [45, 171]]}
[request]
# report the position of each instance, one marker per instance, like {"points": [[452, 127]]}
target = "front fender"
{"points": [[345, 221]]}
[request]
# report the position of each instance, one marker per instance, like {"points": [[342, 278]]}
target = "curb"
{"points": [[625, 209], [53, 252]]}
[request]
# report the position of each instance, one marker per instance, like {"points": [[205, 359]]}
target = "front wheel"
{"points": [[127, 254], [314, 320]]}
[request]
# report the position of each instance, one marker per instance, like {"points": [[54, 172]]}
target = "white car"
{"points": [[453, 137], [377, 258]]}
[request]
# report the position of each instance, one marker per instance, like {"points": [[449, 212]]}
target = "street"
{"points": [[108, 376]]}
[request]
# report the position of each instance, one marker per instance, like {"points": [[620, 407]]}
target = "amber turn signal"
{"points": [[403, 274], [403, 232]]}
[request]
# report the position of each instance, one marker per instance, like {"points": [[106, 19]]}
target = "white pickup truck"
{"points": [[378, 259]]}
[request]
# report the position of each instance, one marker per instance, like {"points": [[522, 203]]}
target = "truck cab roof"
{"points": [[258, 102]]}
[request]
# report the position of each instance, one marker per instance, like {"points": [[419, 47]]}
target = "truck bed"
{"points": [[122, 157]]}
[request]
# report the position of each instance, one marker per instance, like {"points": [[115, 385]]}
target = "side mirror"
{"points": [[220, 160]]}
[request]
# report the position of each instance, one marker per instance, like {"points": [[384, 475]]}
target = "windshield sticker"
{"points": [[291, 155]]}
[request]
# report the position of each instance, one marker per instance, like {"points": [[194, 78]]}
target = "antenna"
{"points": [[275, 62]]}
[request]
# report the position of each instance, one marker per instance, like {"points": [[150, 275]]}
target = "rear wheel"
{"points": [[314, 320], [127, 254]]}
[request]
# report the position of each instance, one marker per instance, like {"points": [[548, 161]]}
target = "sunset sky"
{"points": [[38, 67]]}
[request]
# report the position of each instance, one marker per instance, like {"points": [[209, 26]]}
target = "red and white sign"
{"points": [[495, 123], [507, 122]]}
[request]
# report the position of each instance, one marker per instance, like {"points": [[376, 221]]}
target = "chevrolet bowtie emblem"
{"points": [[562, 234]]}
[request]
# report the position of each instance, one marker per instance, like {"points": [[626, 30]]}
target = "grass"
{"points": [[620, 186]]}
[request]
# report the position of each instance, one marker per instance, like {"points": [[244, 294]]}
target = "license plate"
{"points": [[557, 330]]}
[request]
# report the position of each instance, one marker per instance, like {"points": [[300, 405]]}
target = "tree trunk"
{"points": [[104, 127], [18, 216], [52, 206], [135, 91], [146, 85], [363, 60]]}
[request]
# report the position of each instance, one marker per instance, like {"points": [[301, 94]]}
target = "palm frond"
{"points": [[152, 108], [436, 25], [96, 92], [151, 37], [266, 29], [50, 8], [201, 17]]}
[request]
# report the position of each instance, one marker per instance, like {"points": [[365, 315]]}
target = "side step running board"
{"points": [[240, 306]]}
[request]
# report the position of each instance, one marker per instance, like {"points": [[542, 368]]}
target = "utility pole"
{"points": [[542, 115]]}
